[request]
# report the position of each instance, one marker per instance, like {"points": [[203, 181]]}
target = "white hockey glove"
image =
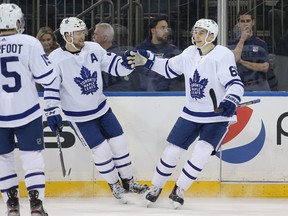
{"points": [[141, 58]]}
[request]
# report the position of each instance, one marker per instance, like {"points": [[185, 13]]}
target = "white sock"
{"points": [[121, 156], [166, 165], [104, 163], [200, 156]]}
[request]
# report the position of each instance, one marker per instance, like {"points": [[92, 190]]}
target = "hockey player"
{"points": [[79, 64], [205, 66], [23, 62]]}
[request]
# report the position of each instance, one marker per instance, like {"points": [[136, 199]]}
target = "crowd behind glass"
{"points": [[271, 26]]}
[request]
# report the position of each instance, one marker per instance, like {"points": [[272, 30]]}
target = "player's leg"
{"points": [[181, 136], [8, 176], [89, 134], [211, 136], [113, 132], [31, 145]]}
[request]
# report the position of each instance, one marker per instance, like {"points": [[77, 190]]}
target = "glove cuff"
{"points": [[52, 111], [233, 98], [150, 60]]}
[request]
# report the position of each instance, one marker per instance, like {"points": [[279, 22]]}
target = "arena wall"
{"points": [[252, 161]]}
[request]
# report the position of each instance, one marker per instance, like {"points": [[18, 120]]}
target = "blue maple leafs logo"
{"points": [[197, 86], [87, 82]]}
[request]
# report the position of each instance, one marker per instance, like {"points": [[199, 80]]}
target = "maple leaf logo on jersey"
{"points": [[87, 82], [197, 86]]}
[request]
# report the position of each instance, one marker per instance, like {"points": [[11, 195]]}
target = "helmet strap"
{"points": [[72, 40]]}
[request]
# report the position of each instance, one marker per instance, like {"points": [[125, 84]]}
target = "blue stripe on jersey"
{"points": [[199, 114], [51, 98], [116, 68], [111, 65], [20, 115], [85, 113], [234, 81], [51, 89], [50, 82], [44, 75], [169, 71]]}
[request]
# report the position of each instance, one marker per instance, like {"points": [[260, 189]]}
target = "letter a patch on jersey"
{"points": [[197, 86], [87, 82]]}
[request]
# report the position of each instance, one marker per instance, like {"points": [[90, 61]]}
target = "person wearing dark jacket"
{"points": [[158, 43]]}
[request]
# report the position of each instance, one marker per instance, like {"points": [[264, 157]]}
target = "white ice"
{"points": [[107, 206]]}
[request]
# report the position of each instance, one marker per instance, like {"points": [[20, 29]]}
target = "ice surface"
{"points": [[109, 206]]}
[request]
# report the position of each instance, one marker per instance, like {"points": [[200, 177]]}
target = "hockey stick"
{"points": [[220, 110], [61, 154]]}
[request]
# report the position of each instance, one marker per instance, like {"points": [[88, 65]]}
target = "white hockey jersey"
{"points": [[216, 70], [23, 62], [81, 87]]}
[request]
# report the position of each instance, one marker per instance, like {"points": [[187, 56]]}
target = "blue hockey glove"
{"points": [[125, 61], [54, 119], [229, 105]]}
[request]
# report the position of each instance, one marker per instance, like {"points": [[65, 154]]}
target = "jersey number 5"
{"points": [[10, 74]]}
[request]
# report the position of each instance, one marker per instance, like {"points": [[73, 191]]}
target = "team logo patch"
{"points": [[39, 141], [197, 86], [245, 139], [87, 82]]}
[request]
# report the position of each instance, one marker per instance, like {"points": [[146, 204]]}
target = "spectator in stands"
{"points": [[158, 43], [104, 36], [48, 39], [251, 54], [49, 42]]}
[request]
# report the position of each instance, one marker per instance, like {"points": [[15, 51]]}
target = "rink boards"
{"points": [[251, 163]]}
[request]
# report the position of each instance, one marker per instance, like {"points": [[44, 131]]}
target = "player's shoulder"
{"points": [[190, 49], [92, 45], [222, 50], [28, 39], [57, 54]]}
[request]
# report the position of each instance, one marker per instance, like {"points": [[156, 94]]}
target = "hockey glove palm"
{"points": [[229, 105], [54, 119], [141, 58]]}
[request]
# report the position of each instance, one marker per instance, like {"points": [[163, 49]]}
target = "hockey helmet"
{"points": [[71, 24], [9, 15], [209, 25]]}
